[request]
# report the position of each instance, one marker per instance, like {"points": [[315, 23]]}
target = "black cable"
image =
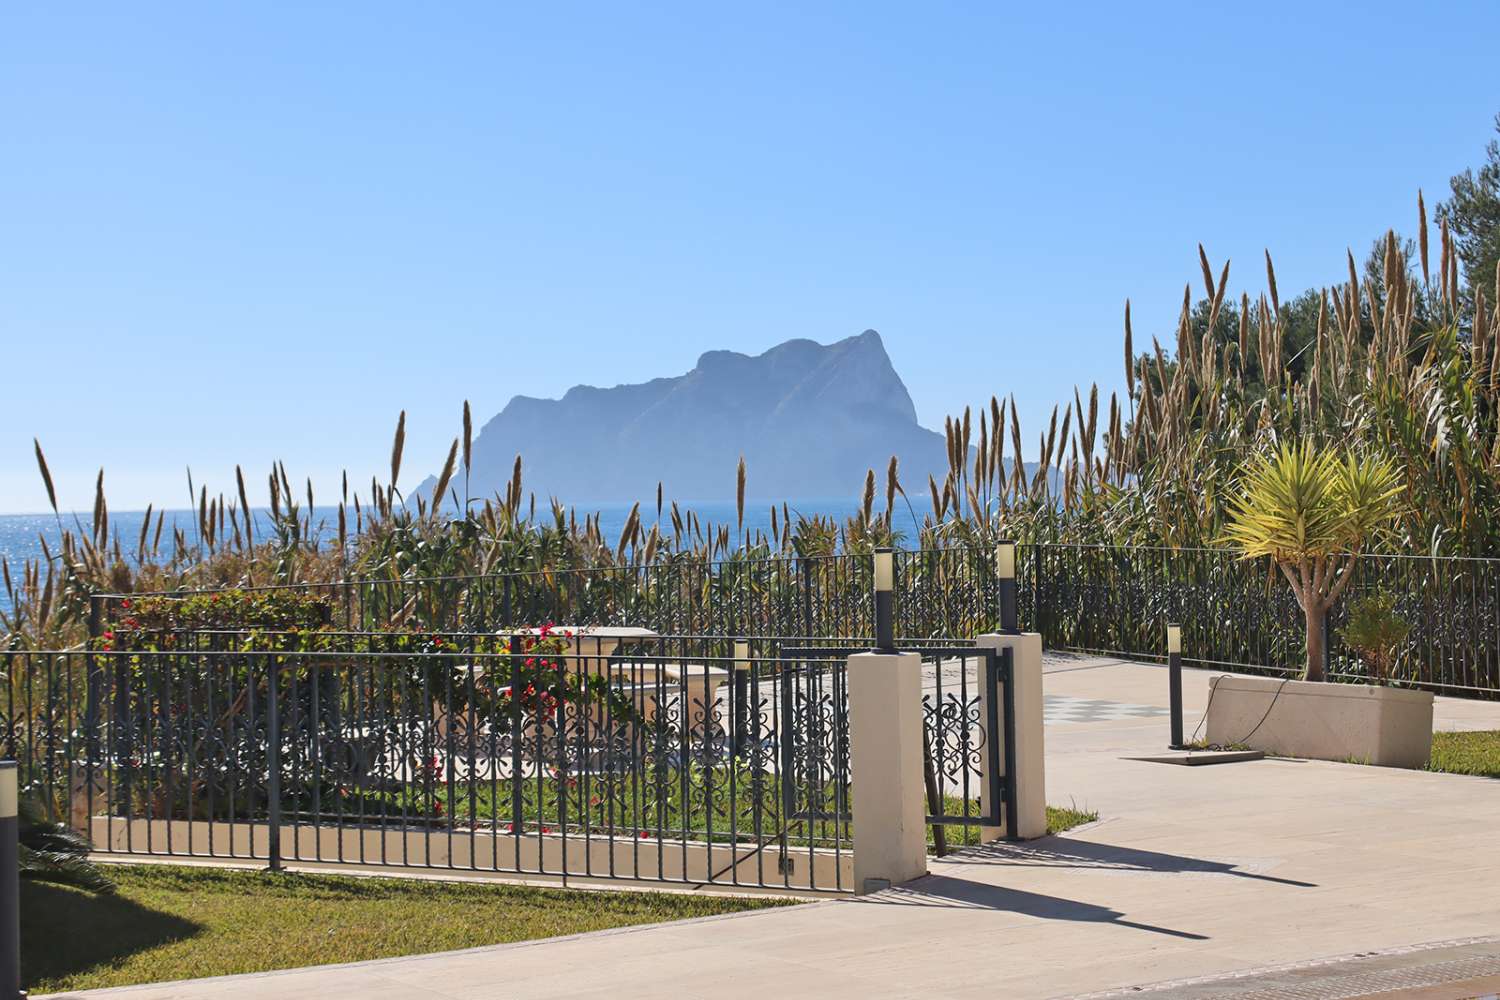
{"points": [[1243, 739]]}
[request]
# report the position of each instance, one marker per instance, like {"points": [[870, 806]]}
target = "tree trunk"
{"points": [[1315, 612]]}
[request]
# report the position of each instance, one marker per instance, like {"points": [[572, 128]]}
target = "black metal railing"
{"points": [[943, 592], [655, 759], [1240, 614], [1115, 600]]}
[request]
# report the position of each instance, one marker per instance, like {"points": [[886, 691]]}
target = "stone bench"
{"points": [[697, 683]]}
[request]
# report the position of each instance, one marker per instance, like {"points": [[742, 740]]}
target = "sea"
{"points": [[21, 535]]}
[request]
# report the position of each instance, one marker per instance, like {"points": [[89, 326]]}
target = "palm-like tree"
{"points": [[50, 852], [1312, 511]]}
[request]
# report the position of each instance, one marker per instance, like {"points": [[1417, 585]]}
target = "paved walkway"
{"points": [[1193, 872]]}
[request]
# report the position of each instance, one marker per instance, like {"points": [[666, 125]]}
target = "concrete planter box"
{"points": [[1347, 722]]}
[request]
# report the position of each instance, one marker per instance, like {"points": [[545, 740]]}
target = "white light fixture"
{"points": [[1005, 560], [1174, 638], [885, 570]]}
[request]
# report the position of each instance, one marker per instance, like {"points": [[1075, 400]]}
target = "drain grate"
{"points": [[1368, 975], [1364, 984]]}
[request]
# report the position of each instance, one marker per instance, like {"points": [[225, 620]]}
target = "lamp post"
{"points": [[10, 888], [1005, 569], [885, 600], [1174, 681]]}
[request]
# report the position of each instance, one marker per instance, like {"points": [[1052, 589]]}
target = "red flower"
{"points": [[546, 829], [125, 603], [109, 634]]}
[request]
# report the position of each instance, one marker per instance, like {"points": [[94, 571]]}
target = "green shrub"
{"points": [[1376, 631]]}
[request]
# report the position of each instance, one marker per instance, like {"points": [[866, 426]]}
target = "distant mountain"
{"points": [[809, 418]]}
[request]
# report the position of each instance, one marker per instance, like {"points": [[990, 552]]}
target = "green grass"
{"points": [[1059, 819], [1466, 753], [674, 801], [170, 923], [1063, 818]]}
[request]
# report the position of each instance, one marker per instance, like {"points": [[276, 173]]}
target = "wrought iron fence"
{"points": [[1109, 599], [1241, 615], [657, 759], [944, 592]]}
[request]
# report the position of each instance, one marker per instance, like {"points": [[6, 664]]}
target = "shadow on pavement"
{"points": [[1065, 852], [947, 891]]}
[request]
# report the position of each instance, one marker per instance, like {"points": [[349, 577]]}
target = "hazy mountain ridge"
{"points": [[809, 418]]}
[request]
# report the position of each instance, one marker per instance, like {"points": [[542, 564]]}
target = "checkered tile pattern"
{"points": [[1057, 708]]}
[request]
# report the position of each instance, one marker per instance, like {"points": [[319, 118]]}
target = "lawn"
{"points": [[1466, 753], [168, 923], [178, 923], [1059, 819]]}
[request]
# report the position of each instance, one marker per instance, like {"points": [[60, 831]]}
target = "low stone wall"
{"points": [[484, 851]]}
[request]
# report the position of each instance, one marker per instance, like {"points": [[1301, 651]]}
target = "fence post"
{"points": [[273, 759], [91, 716], [1327, 649], [1026, 773], [885, 748], [805, 566], [1036, 587], [1174, 682], [91, 708], [10, 882]]}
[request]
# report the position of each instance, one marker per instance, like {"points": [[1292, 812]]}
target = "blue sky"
{"points": [[237, 233]]}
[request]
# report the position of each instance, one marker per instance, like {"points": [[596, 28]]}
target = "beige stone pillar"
{"points": [[885, 763], [1030, 769]]}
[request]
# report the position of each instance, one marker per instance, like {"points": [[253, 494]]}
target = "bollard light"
{"points": [[1174, 682], [1005, 570], [885, 599], [10, 888], [739, 696], [1005, 559]]}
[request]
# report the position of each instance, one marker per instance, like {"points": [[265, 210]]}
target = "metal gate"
{"points": [[968, 733]]}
